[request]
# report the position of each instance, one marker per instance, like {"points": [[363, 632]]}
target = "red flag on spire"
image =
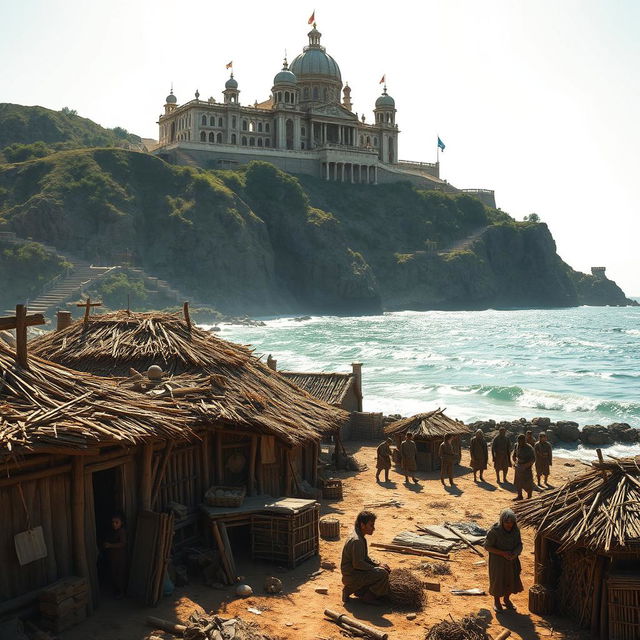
{"points": [[383, 79], [312, 19], [229, 65]]}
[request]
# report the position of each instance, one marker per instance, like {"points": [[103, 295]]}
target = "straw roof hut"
{"points": [[429, 430], [587, 548]]}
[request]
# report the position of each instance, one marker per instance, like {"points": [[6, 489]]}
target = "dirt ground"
{"points": [[298, 612]]}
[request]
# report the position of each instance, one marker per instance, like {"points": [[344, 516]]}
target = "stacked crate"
{"points": [[63, 604]]}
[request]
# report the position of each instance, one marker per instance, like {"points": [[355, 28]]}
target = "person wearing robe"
{"points": [[544, 457], [523, 458], [408, 453], [116, 547], [501, 453], [383, 459], [447, 458], [504, 545], [529, 438], [361, 575], [479, 454]]}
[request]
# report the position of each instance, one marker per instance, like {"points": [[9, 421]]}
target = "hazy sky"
{"points": [[537, 99]]}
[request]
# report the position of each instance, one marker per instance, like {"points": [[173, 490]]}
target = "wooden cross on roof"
{"points": [[87, 308], [20, 322]]}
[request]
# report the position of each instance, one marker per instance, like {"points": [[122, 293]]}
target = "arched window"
{"points": [[233, 122], [244, 141], [245, 125], [267, 142], [212, 137], [259, 142], [212, 121], [279, 94], [252, 126], [305, 93], [203, 136], [302, 145], [316, 93], [220, 122], [266, 127], [289, 133], [252, 142], [259, 127], [287, 96], [204, 121], [368, 141], [219, 138], [233, 139], [326, 95], [303, 131]]}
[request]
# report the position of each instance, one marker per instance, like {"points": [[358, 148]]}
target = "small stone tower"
{"points": [[231, 91], [346, 97]]}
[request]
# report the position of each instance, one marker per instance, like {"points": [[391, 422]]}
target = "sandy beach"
{"points": [[297, 613]]}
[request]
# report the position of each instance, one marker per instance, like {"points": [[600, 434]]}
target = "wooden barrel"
{"points": [[541, 600], [330, 528], [332, 489]]}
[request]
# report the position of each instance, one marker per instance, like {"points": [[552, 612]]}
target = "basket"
{"points": [[330, 528], [220, 496], [332, 489], [542, 600]]}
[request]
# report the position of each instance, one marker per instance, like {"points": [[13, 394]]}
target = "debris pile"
{"points": [[212, 627], [406, 590], [471, 627]]}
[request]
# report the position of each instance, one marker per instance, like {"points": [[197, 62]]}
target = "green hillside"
{"points": [[29, 132], [260, 241]]}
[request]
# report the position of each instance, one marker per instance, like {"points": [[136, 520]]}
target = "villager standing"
{"points": [[479, 454], [544, 457], [361, 575], [504, 545], [383, 459], [447, 458], [529, 438], [523, 457], [116, 546], [408, 453], [501, 453]]}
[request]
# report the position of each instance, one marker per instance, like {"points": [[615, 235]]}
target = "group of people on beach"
{"points": [[368, 579], [526, 453]]}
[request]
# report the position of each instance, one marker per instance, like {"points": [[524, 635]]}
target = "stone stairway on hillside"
{"points": [[464, 243]]}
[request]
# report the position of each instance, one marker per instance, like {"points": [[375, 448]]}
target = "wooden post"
{"points": [[80, 564], [20, 322], [206, 462], [314, 468], [187, 317], [600, 458], [87, 308], [161, 471], [260, 468], [252, 465], [219, 469], [146, 480], [288, 475]]}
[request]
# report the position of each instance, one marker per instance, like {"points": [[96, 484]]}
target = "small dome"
{"points": [[231, 83], [385, 100], [285, 76], [171, 99]]}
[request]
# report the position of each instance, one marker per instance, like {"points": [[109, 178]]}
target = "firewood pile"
{"points": [[599, 509], [406, 590], [471, 627]]}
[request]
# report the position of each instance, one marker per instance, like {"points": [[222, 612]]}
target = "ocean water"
{"points": [[580, 364]]}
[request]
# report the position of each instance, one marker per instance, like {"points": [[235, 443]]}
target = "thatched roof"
{"points": [[228, 384], [49, 407], [328, 387], [598, 509], [433, 424]]}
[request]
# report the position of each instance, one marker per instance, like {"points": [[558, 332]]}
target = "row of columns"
{"points": [[346, 134], [349, 172]]}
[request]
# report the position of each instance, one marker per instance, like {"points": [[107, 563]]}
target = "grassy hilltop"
{"points": [[258, 240]]}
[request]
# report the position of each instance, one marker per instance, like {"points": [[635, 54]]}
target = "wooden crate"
{"points": [[63, 589], [63, 604], [65, 622], [624, 607], [332, 489], [286, 538]]}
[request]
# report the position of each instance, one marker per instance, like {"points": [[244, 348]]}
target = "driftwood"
{"points": [[464, 539], [369, 631], [410, 551], [166, 625]]}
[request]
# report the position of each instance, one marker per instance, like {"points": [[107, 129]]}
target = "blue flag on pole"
{"points": [[440, 144]]}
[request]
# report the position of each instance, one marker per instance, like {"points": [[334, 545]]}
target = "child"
{"points": [[116, 546]]}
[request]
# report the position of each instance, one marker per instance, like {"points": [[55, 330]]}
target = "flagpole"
{"points": [[438, 153]]}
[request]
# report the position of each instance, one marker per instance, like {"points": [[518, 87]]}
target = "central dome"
{"points": [[315, 61]]}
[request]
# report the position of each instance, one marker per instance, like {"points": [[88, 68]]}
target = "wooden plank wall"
{"points": [[49, 503], [183, 481]]}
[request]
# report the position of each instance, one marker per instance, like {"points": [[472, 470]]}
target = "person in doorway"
{"points": [[501, 453], [523, 457], [116, 548], [544, 458], [408, 453], [479, 454], [504, 545], [447, 458], [383, 459], [361, 575]]}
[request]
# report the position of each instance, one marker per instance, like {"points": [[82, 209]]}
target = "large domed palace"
{"points": [[306, 126]]}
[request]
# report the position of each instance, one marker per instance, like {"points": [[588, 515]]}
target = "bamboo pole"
{"points": [[410, 550], [219, 468], [77, 522], [252, 465], [369, 631], [260, 469], [145, 480], [206, 462], [161, 471], [464, 539]]}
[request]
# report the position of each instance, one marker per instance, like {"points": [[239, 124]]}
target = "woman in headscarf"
{"points": [[479, 454], [504, 545], [523, 457]]}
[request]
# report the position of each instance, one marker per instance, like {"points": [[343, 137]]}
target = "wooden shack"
{"points": [[429, 430], [587, 549]]}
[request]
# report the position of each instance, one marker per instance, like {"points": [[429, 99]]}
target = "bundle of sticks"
{"points": [[599, 509], [354, 627], [471, 627]]}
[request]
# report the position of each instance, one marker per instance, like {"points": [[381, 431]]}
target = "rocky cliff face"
{"points": [[262, 242]]}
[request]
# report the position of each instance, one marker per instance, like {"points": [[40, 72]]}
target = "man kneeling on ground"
{"points": [[362, 576]]}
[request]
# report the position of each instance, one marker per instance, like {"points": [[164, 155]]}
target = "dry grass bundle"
{"points": [[218, 381], [434, 568], [472, 627], [439, 504], [599, 509], [428, 425], [405, 589]]}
